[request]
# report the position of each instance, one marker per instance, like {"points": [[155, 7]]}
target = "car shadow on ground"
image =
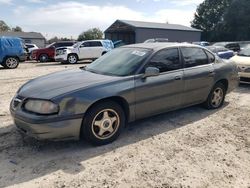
{"points": [[27, 159], [243, 88]]}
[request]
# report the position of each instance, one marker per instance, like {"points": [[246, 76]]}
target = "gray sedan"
{"points": [[126, 84]]}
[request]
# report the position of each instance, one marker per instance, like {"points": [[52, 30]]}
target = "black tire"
{"points": [[72, 59], [104, 53], [11, 63], [43, 58], [90, 131], [209, 103]]}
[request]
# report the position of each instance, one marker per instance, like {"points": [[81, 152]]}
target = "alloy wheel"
{"points": [[217, 97], [11, 62], [105, 124]]}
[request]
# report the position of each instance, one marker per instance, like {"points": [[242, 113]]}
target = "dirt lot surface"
{"points": [[186, 148]]}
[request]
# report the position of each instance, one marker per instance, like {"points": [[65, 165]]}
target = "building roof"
{"points": [[153, 25], [23, 35]]}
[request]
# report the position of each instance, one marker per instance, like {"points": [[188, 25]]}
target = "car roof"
{"points": [[158, 46]]}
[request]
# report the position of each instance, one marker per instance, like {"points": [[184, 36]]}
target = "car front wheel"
{"points": [[11, 63], [216, 97], [72, 59], [103, 123], [43, 58]]}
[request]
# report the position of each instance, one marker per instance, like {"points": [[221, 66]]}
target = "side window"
{"points": [[95, 44], [211, 57], [166, 60], [194, 57], [85, 44]]}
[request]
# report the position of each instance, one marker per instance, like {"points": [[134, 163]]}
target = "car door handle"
{"points": [[177, 78]]}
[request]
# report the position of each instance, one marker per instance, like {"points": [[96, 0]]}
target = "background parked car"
{"points": [[90, 49], [30, 48], [12, 51], [221, 51], [202, 43], [242, 60], [118, 43], [48, 53], [229, 45], [156, 40]]}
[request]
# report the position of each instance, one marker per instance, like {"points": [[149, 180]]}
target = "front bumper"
{"points": [[44, 128], [61, 58], [244, 77], [63, 130]]}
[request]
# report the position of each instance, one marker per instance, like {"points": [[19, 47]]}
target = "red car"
{"points": [[48, 53]]}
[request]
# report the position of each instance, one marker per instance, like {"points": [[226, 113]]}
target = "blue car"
{"points": [[12, 51], [222, 52]]}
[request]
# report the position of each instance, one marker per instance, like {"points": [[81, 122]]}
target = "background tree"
{"points": [[91, 34], [3, 26], [236, 23], [17, 29], [209, 17]]}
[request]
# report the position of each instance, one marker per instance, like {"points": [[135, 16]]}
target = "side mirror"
{"points": [[151, 71]]}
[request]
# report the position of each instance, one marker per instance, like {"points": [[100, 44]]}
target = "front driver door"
{"points": [[84, 50], [160, 93]]}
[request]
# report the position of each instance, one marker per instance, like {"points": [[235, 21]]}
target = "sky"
{"points": [[69, 18]]}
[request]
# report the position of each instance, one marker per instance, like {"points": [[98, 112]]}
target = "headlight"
{"points": [[43, 107]]}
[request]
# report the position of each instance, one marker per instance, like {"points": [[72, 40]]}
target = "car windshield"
{"points": [[52, 44], [119, 62], [76, 44], [245, 52]]}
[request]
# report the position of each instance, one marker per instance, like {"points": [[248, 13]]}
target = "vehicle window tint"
{"points": [[211, 57], [86, 44], [166, 60], [68, 44], [194, 57], [95, 44]]}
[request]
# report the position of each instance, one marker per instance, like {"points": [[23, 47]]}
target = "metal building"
{"points": [[28, 37], [131, 32]]}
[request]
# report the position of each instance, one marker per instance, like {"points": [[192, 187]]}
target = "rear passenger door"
{"points": [[160, 93], [198, 75]]}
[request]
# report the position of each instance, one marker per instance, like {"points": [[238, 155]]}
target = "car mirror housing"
{"points": [[151, 71]]}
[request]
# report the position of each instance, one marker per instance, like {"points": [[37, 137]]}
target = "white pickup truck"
{"points": [[90, 49]]}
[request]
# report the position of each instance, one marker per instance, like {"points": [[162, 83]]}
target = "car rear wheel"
{"points": [[11, 63], [43, 58], [216, 97], [103, 123], [72, 59]]}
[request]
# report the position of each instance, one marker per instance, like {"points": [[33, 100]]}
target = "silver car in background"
{"points": [[124, 85]]}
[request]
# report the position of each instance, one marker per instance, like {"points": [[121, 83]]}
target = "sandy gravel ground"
{"points": [[186, 148]]}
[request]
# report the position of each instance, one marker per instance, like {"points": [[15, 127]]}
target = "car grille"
{"points": [[243, 79], [17, 101]]}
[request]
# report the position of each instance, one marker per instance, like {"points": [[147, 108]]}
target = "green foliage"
{"points": [[56, 39], [224, 20], [237, 21], [3, 26], [91, 34], [17, 29]]}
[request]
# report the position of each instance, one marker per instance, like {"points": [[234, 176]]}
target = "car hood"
{"points": [[241, 60], [55, 84], [65, 47]]}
